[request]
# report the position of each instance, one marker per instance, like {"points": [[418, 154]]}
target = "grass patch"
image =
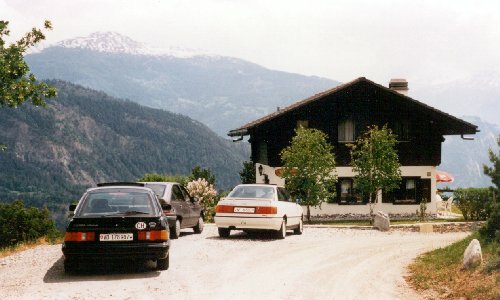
{"points": [[10, 250], [441, 271]]}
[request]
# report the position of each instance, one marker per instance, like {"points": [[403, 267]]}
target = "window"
{"points": [[402, 130], [346, 131], [411, 189], [177, 194], [185, 194], [250, 192], [407, 193], [283, 195], [263, 153], [346, 192]]}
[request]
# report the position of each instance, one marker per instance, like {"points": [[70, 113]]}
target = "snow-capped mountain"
{"points": [[219, 91], [105, 42], [113, 42]]}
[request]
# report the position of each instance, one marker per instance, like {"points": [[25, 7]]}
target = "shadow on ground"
{"points": [[264, 236], [101, 271]]}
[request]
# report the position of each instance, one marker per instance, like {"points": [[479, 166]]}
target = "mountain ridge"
{"points": [[221, 92], [85, 136]]}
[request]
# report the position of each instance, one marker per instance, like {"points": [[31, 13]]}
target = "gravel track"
{"points": [[323, 263]]}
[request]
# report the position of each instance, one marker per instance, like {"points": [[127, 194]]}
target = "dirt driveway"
{"points": [[323, 263]]}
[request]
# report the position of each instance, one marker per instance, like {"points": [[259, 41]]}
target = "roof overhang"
{"points": [[460, 127], [238, 132]]}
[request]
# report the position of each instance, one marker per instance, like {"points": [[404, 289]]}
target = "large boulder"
{"points": [[473, 255], [381, 221]]}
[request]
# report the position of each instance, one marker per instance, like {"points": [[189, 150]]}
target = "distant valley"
{"points": [[84, 136]]}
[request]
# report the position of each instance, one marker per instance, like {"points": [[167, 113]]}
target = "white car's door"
{"points": [[290, 208]]}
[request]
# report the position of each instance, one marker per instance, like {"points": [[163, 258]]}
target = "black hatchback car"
{"points": [[117, 222]]}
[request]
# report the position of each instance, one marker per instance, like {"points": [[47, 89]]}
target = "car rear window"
{"points": [[109, 202], [158, 189], [252, 192]]}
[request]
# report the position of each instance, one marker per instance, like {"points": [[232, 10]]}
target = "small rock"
{"points": [[381, 221], [473, 255]]}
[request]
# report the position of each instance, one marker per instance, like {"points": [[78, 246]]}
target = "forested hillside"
{"points": [[84, 136]]}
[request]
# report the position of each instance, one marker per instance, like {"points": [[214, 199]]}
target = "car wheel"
{"points": [[299, 229], [224, 232], [70, 266], [175, 231], [163, 264], [199, 227], [281, 233]]}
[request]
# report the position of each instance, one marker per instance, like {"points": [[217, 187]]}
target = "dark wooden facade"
{"points": [[420, 128]]}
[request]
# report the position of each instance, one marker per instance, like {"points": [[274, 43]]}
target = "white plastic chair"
{"points": [[447, 208], [441, 207]]}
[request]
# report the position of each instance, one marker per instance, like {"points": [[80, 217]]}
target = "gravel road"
{"points": [[323, 263]]}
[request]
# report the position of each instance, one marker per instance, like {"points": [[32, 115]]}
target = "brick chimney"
{"points": [[399, 85]]}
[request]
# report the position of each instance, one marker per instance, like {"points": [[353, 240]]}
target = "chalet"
{"points": [[343, 113]]}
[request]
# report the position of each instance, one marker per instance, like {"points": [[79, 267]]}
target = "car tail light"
{"points": [[153, 235], [224, 209], [268, 210], [79, 236], [169, 211]]}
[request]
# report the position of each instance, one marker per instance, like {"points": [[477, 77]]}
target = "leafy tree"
{"points": [[17, 85], [490, 231], [309, 167], [22, 224], [247, 174], [199, 172], [475, 203], [154, 177], [494, 171], [375, 160]]}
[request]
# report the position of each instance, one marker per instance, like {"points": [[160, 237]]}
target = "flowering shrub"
{"points": [[206, 193], [202, 189]]}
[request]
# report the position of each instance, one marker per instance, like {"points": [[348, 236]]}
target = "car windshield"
{"points": [[159, 189], [124, 202], [247, 192]]}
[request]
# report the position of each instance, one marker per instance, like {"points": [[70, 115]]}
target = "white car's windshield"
{"points": [[252, 192]]}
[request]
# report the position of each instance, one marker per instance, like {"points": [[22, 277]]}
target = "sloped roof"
{"points": [[243, 130]]}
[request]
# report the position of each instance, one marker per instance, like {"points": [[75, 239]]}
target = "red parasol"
{"points": [[442, 176]]}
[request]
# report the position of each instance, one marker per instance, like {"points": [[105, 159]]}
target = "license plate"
{"points": [[111, 237], [244, 209]]}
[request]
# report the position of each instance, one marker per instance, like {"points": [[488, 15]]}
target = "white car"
{"points": [[258, 207]]}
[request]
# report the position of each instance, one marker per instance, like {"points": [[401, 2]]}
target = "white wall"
{"points": [[327, 208]]}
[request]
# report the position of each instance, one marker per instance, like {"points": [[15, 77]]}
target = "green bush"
{"points": [[490, 230], [154, 177], [23, 224], [475, 203]]}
